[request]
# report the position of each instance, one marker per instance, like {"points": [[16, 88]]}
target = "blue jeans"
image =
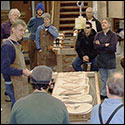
{"points": [[78, 62], [10, 92], [104, 76]]}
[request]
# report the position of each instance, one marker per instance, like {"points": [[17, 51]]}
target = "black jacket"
{"points": [[98, 24], [84, 45]]}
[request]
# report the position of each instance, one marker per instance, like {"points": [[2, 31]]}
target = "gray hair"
{"points": [[89, 8], [12, 11], [115, 84], [46, 15], [108, 20]]}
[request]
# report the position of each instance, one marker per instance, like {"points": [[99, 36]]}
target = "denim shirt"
{"points": [[108, 106], [51, 29]]}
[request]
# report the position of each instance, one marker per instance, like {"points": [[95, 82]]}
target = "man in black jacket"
{"points": [[85, 49], [96, 25]]}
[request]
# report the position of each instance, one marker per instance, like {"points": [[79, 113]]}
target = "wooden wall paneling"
{"points": [[25, 7], [56, 22]]}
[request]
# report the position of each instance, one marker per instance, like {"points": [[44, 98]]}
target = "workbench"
{"points": [[93, 91], [65, 56]]}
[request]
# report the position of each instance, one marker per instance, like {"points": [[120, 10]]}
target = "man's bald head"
{"points": [[115, 84]]}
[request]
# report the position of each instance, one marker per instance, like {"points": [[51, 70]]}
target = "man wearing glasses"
{"points": [[85, 49]]}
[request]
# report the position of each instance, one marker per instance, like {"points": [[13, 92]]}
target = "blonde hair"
{"points": [[17, 22]]}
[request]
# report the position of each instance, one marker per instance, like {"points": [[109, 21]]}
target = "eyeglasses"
{"points": [[88, 27]]}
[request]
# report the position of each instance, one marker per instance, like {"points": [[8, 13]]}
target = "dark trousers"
{"points": [[10, 92]]}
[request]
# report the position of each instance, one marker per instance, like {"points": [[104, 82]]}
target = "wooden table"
{"points": [[63, 52], [94, 92]]}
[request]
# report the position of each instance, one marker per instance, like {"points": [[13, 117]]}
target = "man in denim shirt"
{"points": [[115, 92], [45, 36]]}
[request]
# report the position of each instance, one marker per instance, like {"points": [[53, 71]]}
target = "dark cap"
{"points": [[40, 6], [41, 75]]}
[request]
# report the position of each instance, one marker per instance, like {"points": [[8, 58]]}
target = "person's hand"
{"points": [[97, 42], [46, 30], [40, 51], [85, 58], [107, 44], [26, 72], [75, 32]]}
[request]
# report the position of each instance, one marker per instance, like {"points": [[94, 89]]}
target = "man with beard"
{"points": [[32, 25]]}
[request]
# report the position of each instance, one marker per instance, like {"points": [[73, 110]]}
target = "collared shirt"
{"points": [[108, 106], [5, 30], [7, 58]]}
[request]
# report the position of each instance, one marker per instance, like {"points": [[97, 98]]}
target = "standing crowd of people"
{"points": [[95, 45]]}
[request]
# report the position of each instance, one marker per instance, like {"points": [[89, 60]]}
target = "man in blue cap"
{"points": [[32, 25]]}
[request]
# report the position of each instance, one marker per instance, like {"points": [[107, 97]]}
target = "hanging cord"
{"points": [[80, 4]]}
